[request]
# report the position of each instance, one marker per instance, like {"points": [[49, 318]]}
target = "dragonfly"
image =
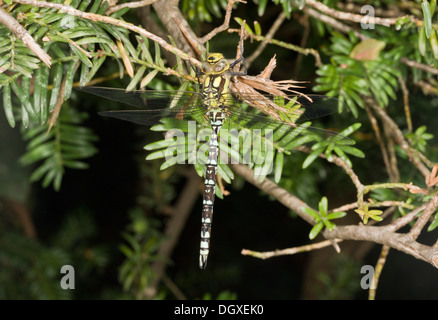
{"points": [[214, 105]]}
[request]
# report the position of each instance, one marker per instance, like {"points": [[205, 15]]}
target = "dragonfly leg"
{"points": [[241, 59]]}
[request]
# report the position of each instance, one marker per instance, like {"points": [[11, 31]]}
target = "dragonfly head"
{"points": [[215, 64]]}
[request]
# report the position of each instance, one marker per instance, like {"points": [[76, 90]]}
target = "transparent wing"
{"points": [[286, 116], [151, 106], [291, 126]]}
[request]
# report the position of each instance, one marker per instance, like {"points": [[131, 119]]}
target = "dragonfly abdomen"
{"points": [[209, 188]]}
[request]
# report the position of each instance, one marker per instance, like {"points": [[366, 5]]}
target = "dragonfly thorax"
{"points": [[215, 83]]}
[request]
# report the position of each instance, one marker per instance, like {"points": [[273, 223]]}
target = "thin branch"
{"points": [[406, 102], [384, 235], [305, 22], [18, 212], [110, 20], [192, 42], [420, 66], [387, 203], [174, 227], [289, 46], [21, 33], [400, 139], [427, 87], [394, 175], [288, 251], [274, 28], [135, 4], [341, 163], [59, 101], [173, 288], [424, 218], [378, 134], [378, 270], [224, 25], [406, 219], [356, 17], [168, 11], [334, 23]]}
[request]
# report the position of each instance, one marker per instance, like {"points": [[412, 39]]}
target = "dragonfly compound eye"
{"points": [[220, 66]]}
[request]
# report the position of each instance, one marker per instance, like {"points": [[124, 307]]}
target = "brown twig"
{"points": [[304, 21], [341, 163], [59, 101], [21, 33], [394, 175], [400, 139], [168, 11], [420, 66], [378, 134], [224, 25], [113, 21], [387, 203], [334, 23], [269, 35], [386, 235], [288, 251], [378, 270], [21, 214], [424, 217], [289, 46], [191, 41], [427, 88], [355, 17], [174, 227], [134, 4], [406, 103]]}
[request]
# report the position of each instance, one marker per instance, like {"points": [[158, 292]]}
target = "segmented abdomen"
{"points": [[209, 188]]}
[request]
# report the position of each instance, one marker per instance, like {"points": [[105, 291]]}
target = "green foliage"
{"points": [[24, 261], [287, 6], [419, 138], [427, 18], [143, 240], [427, 31], [201, 10], [351, 76], [64, 37], [434, 223], [30, 269], [343, 282], [329, 145], [65, 146], [223, 295], [366, 214], [323, 218]]}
